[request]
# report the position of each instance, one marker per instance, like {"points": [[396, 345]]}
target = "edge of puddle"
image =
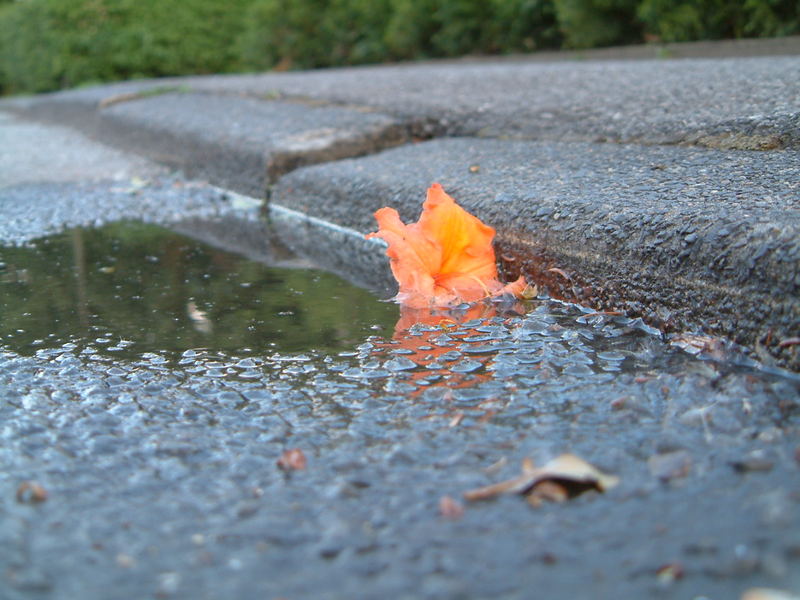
{"points": [[341, 250]]}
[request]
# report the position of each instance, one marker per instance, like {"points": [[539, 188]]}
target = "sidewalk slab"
{"points": [[684, 237], [241, 143], [32, 153], [52, 178], [729, 103], [748, 103]]}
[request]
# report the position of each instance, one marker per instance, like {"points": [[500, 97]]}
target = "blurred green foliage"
{"points": [[587, 24], [688, 20], [52, 44]]}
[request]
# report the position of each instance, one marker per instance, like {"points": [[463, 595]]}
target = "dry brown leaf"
{"points": [[456, 420], [292, 460], [571, 473], [560, 272], [699, 344], [30, 492], [530, 292], [793, 341], [547, 491], [670, 573]]}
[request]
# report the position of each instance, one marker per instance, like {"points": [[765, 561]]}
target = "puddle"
{"points": [[130, 288]]}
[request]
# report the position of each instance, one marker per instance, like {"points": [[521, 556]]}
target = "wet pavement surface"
{"points": [[683, 237], [129, 471]]}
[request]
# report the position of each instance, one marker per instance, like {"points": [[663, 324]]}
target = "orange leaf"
{"points": [[444, 259], [292, 460]]}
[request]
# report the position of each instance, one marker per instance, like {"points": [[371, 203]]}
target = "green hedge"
{"points": [[52, 44], [672, 21], [598, 23]]}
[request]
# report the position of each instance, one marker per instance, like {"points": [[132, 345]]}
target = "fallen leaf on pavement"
{"points": [[563, 477], [547, 491], [292, 460], [30, 492], [669, 573], [699, 344], [444, 259]]}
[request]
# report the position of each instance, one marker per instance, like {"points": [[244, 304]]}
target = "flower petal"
{"points": [[444, 259], [466, 242], [414, 259]]}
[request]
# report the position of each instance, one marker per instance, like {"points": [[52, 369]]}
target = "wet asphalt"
{"points": [[161, 478], [158, 474]]}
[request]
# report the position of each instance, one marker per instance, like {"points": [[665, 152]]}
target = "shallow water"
{"points": [[129, 288]]}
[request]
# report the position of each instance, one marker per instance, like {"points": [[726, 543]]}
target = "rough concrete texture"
{"points": [[657, 247], [679, 236], [656, 101], [161, 479], [53, 177], [236, 142], [33, 153], [332, 247]]}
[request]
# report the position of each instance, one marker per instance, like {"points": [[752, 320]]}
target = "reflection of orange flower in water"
{"points": [[425, 350], [444, 259], [442, 318], [423, 347]]}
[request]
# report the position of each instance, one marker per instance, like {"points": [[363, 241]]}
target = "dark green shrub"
{"points": [[524, 25], [285, 34], [591, 23], [51, 44], [462, 27], [410, 29], [719, 19], [356, 30], [772, 18], [435, 28], [693, 19]]}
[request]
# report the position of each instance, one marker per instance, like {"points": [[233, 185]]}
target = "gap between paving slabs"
{"points": [[640, 245]]}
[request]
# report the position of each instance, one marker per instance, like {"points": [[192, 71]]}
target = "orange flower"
{"points": [[444, 259]]}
